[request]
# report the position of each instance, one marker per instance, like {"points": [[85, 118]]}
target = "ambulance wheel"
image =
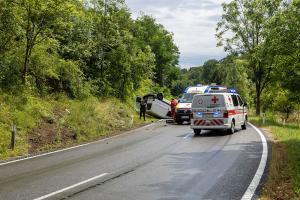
{"points": [[197, 131], [244, 126], [179, 122], [232, 128]]}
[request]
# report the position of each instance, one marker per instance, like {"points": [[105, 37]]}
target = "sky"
{"points": [[193, 23]]}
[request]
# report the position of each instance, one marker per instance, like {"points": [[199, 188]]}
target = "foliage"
{"points": [[93, 53], [243, 30], [84, 120], [82, 48], [162, 45], [230, 71], [93, 49]]}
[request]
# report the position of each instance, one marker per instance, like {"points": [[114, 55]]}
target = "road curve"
{"points": [[162, 161]]}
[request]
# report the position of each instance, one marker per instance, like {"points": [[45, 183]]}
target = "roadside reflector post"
{"points": [[131, 121], [264, 118], [13, 136]]}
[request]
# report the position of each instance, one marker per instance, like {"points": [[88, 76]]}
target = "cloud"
{"points": [[193, 23]]}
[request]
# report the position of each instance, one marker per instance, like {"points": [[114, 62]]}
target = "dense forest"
{"points": [[95, 48], [82, 48]]}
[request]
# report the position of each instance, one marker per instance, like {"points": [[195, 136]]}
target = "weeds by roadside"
{"points": [[56, 122], [284, 173]]}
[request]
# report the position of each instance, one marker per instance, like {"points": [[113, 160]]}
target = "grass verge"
{"points": [[54, 122], [283, 181]]}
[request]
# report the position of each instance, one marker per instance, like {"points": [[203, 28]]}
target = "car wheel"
{"points": [[197, 131], [232, 128]]}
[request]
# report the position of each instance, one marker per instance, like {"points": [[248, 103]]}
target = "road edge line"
{"points": [[248, 195], [70, 187], [77, 146]]}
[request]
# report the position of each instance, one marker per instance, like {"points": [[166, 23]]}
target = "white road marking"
{"points": [[71, 187], [261, 168], [74, 147], [187, 136]]}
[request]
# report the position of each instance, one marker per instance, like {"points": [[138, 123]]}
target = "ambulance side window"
{"points": [[240, 101], [235, 100]]}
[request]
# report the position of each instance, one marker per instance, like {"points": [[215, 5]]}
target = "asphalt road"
{"points": [[157, 162]]}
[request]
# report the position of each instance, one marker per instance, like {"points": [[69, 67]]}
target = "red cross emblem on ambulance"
{"points": [[215, 99]]}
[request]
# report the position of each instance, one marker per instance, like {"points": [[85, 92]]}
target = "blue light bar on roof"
{"points": [[215, 89], [206, 90], [186, 89], [232, 90]]}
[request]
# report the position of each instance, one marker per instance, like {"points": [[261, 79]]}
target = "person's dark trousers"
{"points": [[143, 113]]}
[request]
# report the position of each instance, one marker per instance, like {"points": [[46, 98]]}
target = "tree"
{"points": [[39, 18], [285, 48], [183, 81], [235, 75], [195, 75], [242, 30], [78, 47], [162, 45], [8, 27], [212, 73]]}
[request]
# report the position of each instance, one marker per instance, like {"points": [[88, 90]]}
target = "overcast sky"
{"points": [[193, 23]]}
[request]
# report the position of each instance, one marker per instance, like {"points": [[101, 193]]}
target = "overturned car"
{"points": [[157, 106]]}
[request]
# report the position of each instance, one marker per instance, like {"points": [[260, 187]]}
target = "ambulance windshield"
{"points": [[187, 98], [208, 101]]}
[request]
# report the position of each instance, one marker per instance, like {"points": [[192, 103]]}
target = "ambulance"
{"points": [[218, 110], [183, 108]]}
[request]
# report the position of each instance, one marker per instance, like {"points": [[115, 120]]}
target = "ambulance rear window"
{"points": [[208, 101]]}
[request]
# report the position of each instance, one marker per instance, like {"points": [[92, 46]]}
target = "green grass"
{"points": [[286, 150], [290, 137], [88, 119], [25, 112]]}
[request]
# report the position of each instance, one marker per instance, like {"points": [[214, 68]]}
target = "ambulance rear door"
{"points": [[208, 106], [238, 109]]}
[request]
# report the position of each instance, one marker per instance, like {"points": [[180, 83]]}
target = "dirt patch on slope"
{"points": [[48, 134]]}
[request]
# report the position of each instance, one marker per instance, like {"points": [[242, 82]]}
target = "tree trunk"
{"points": [[26, 64], [258, 93], [27, 61]]}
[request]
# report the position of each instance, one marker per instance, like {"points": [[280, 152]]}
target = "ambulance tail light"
{"points": [[225, 115]]}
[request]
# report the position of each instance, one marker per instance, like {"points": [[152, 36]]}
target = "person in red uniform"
{"points": [[173, 108]]}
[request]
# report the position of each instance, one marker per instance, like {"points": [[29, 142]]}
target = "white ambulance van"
{"points": [[218, 110], [183, 108], [184, 105]]}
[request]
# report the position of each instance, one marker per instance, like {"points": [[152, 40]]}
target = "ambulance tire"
{"points": [[179, 122], [232, 129], [197, 131], [244, 126]]}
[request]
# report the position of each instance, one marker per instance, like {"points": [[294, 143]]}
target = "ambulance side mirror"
{"points": [[245, 104]]}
